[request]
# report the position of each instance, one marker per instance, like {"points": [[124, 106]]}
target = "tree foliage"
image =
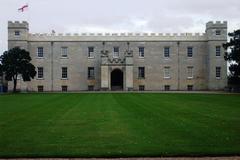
{"points": [[16, 62], [233, 56]]}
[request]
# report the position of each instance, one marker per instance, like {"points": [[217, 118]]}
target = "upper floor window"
{"points": [[40, 72], [64, 51], [115, 52], [17, 33], [91, 73], [166, 72], [40, 51], [141, 52], [90, 52], [218, 72], [218, 50], [190, 72], [64, 73], [166, 52], [218, 32], [141, 72], [189, 51]]}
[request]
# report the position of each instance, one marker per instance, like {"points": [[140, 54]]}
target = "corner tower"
{"points": [[216, 33], [18, 34]]}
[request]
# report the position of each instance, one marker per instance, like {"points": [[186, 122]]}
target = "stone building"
{"points": [[123, 61]]}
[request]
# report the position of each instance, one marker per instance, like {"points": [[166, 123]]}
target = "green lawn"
{"points": [[119, 125]]}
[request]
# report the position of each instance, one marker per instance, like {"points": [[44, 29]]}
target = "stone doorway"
{"points": [[116, 80]]}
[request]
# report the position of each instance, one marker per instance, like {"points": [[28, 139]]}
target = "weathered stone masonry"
{"points": [[124, 61]]}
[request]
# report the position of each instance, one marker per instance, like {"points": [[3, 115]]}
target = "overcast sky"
{"points": [[70, 16]]}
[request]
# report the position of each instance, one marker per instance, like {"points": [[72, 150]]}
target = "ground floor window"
{"points": [[141, 88], [167, 87], [64, 88], [190, 87], [91, 88], [40, 88]]}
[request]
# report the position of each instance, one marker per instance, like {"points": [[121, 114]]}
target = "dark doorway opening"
{"points": [[117, 80]]}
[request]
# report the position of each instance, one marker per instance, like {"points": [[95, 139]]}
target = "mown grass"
{"points": [[119, 125]]}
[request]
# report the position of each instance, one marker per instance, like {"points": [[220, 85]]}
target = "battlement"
{"points": [[17, 24], [118, 34], [217, 24], [117, 37]]}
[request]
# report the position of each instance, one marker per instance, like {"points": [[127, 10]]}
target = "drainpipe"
{"points": [[52, 66], [178, 43]]}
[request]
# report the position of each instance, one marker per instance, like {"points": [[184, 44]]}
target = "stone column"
{"points": [[129, 72], [104, 73]]}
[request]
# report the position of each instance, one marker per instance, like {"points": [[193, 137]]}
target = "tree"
{"points": [[233, 56], [16, 62]]}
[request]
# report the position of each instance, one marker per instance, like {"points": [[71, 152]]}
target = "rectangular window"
{"points": [[40, 72], [218, 72], [64, 73], [91, 88], [166, 52], [90, 52], [141, 88], [141, 52], [64, 51], [40, 51], [167, 87], [190, 51], [64, 88], [141, 72], [17, 33], [218, 50], [190, 87], [91, 73], [190, 72], [218, 32], [115, 52], [166, 72], [40, 88]]}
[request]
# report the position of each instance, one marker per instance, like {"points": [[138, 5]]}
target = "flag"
{"points": [[23, 8]]}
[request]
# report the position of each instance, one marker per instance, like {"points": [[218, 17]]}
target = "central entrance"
{"points": [[116, 80]]}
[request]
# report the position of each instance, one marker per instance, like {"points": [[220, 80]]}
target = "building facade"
{"points": [[123, 61]]}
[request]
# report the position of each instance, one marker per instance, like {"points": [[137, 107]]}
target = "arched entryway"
{"points": [[116, 79]]}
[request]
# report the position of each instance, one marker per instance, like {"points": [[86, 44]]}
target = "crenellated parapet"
{"points": [[18, 24], [117, 37], [217, 24]]}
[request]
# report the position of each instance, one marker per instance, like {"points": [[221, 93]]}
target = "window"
{"points": [[64, 51], [40, 51], [64, 88], [218, 32], [91, 73], [190, 51], [40, 88], [91, 88], [141, 88], [167, 87], [64, 73], [166, 52], [141, 52], [115, 52], [190, 72], [141, 72], [17, 33], [40, 72], [218, 50], [90, 52], [218, 72], [166, 72], [190, 87]]}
